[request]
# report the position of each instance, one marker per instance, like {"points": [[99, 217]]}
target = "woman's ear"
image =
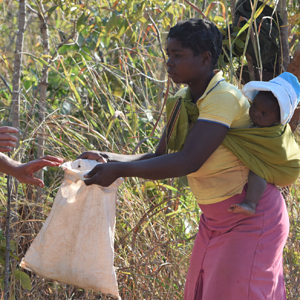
{"points": [[206, 57]]}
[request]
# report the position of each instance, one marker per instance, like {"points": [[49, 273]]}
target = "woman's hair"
{"points": [[199, 35]]}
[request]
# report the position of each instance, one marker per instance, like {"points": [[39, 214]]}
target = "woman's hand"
{"points": [[7, 140], [24, 172], [103, 175], [94, 155]]}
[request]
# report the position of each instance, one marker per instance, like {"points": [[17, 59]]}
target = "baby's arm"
{"points": [[255, 190]]}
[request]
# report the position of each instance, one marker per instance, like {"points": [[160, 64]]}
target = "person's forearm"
{"points": [[160, 150], [114, 157], [161, 167], [7, 165], [197, 149]]}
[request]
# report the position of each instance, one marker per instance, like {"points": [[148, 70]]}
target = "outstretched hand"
{"points": [[24, 172], [103, 175], [93, 155], [7, 140]]}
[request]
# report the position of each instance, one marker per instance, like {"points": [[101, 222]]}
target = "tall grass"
{"points": [[107, 93]]}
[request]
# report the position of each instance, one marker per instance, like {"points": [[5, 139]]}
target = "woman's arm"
{"points": [[114, 157], [202, 141]]}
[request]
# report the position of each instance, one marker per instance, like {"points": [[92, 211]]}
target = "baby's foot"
{"points": [[246, 208]]}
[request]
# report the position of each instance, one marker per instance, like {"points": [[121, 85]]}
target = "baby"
{"points": [[273, 103]]}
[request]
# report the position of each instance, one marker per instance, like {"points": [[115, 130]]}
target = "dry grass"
{"points": [[119, 97], [155, 233]]}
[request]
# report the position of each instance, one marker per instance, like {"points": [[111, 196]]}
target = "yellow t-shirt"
{"points": [[223, 175]]}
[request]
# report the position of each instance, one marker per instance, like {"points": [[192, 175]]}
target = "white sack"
{"points": [[76, 243]]}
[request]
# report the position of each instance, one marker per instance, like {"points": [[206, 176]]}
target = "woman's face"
{"points": [[183, 66], [264, 112]]}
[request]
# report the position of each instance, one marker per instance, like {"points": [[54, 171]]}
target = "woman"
{"points": [[234, 256]]}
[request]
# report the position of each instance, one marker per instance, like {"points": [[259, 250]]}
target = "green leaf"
{"points": [[122, 29], [143, 19], [51, 10], [110, 25], [2, 262], [24, 279], [240, 43], [33, 6], [150, 185], [218, 19], [12, 245], [170, 187], [80, 23]]}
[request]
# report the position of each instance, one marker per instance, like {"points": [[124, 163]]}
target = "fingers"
{"points": [[82, 156], [8, 129], [92, 172], [99, 180], [8, 137], [48, 163], [7, 141], [38, 164], [33, 166], [102, 160], [93, 155], [53, 159], [90, 181], [25, 171], [5, 149], [96, 179], [33, 180], [103, 175], [92, 176]]}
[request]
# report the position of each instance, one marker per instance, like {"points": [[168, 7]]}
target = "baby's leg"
{"points": [[256, 188]]}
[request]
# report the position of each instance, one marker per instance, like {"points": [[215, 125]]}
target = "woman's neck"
{"points": [[198, 89]]}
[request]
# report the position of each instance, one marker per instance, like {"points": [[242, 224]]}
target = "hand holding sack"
{"points": [[75, 245]]}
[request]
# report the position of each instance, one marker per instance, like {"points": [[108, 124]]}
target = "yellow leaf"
{"points": [[294, 18]]}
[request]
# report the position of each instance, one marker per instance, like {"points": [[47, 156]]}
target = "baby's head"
{"points": [[274, 101], [265, 110]]}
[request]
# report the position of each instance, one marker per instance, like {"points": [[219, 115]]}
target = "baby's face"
{"points": [[264, 112]]}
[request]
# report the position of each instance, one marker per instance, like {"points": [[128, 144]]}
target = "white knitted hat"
{"points": [[286, 89]]}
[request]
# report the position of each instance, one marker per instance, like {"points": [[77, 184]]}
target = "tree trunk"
{"points": [[42, 102], [15, 122], [15, 109], [284, 34], [294, 68], [232, 4], [16, 91], [250, 67]]}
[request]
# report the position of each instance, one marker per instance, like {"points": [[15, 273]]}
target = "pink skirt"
{"points": [[238, 257]]}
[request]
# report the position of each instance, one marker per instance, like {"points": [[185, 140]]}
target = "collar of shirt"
{"points": [[218, 76]]}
